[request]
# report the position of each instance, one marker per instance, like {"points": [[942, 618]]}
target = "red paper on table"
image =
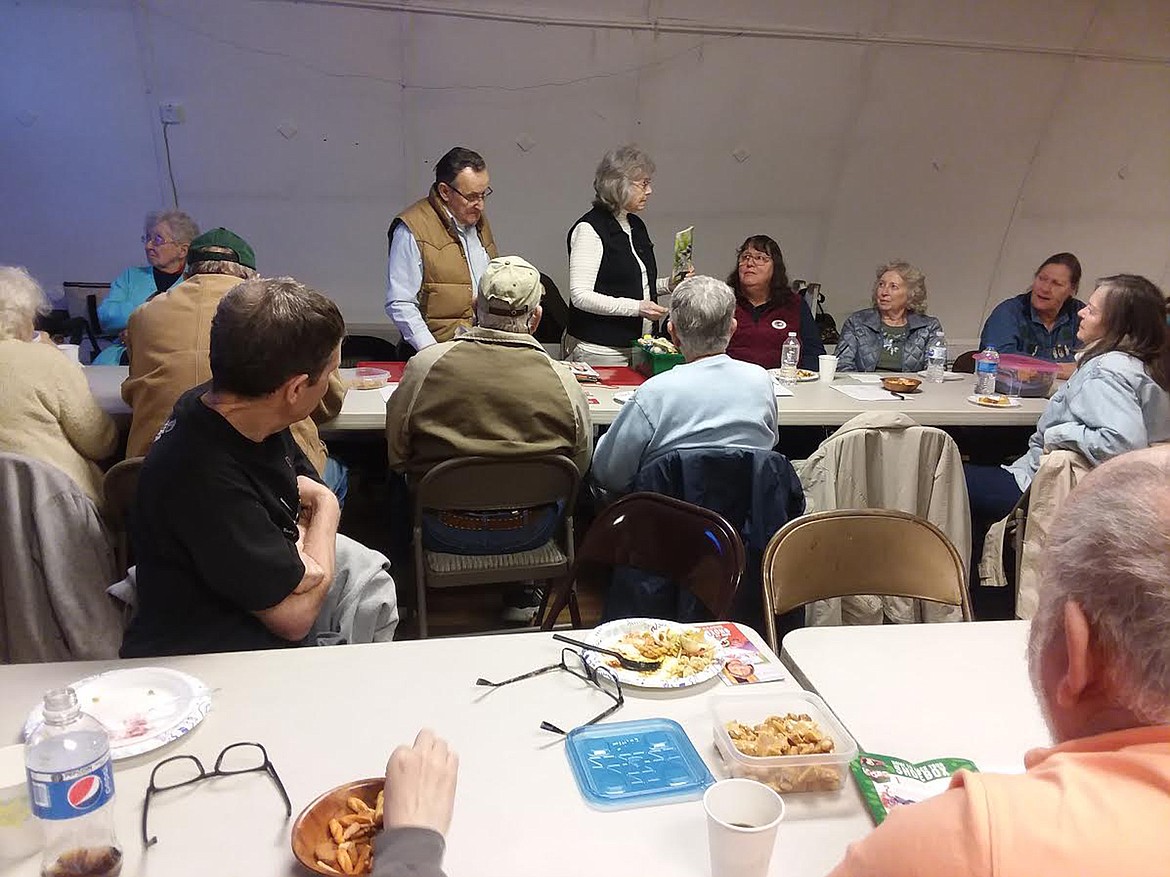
{"points": [[395, 368], [620, 375]]}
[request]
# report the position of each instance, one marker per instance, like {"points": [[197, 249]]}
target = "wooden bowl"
{"points": [[901, 385], [312, 826]]}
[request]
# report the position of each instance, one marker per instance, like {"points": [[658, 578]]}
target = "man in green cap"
{"points": [[168, 339]]}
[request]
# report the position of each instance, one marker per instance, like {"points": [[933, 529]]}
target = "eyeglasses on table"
{"points": [[574, 662], [186, 770]]}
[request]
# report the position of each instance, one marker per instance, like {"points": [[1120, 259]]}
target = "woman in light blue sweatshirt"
{"points": [[1115, 401]]}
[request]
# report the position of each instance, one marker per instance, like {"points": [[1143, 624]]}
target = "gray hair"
{"points": [[615, 174], [521, 325], [182, 226], [1107, 552], [21, 300], [915, 282], [701, 311], [222, 266]]}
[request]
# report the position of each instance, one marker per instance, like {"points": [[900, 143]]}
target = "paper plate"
{"points": [[947, 376], [608, 634], [141, 708], [1009, 402], [623, 396]]}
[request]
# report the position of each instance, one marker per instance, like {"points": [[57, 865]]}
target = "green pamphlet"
{"points": [[887, 782]]}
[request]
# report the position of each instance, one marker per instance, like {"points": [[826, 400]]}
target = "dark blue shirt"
{"points": [[1014, 327]]}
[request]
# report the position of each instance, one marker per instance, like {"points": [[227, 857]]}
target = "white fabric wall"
{"points": [[972, 138]]}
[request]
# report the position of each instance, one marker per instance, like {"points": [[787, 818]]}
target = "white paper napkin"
{"points": [[867, 394]]}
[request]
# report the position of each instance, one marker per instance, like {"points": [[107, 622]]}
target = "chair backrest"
{"points": [[555, 318], [120, 487], [850, 552], [965, 362], [690, 545], [486, 483], [367, 348], [77, 295]]}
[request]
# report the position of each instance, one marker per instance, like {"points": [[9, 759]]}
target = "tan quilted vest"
{"points": [[446, 296]]}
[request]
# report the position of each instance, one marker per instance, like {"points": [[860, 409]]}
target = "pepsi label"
{"points": [[72, 793]]}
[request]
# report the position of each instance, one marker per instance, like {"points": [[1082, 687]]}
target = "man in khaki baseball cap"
{"points": [[491, 392]]}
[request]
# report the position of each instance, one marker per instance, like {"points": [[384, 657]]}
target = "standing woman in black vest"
{"points": [[613, 279]]}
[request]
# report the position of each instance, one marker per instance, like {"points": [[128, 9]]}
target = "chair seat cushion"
{"points": [[547, 554]]}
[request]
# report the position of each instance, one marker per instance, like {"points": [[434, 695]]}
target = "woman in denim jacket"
{"points": [[894, 334]]}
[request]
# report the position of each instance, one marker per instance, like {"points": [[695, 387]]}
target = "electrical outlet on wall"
{"points": [[172, 113]]}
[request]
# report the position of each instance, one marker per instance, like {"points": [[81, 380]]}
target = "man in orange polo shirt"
{"points": [[1098, 803]]}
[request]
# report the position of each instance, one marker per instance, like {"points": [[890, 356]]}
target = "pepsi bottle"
{"points": [[71, 789]]}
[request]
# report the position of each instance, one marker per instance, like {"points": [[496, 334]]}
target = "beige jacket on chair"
{"points": [[883, 459]]}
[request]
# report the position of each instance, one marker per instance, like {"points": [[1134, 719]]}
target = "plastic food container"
{"points": [[822, 776], [369, 378], [1026, 376], [654, 362], [636, 764]]}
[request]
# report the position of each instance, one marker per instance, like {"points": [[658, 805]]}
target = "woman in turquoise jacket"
{"points": [[166, 239]]}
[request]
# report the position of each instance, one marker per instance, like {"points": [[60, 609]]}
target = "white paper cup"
{"points": [[71, 351], [828, 366], [743, 817]]}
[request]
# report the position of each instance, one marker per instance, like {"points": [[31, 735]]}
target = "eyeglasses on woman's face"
{"points": [[645, 185], [156, 239], [754, 257]]}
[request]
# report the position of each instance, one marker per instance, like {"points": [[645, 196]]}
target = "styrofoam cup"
{"points": [[828, 366], [72, 351], [743, 817]]}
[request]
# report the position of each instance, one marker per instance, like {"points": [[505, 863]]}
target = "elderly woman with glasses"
{"points": [[766, 308], [166, 237], [893, 334], [49, 413], [613, 277]]}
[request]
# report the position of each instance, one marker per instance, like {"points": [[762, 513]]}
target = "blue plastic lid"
{"points": [[636, 764]]}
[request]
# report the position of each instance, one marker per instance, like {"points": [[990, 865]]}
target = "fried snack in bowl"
{"points": [[790, 734], [901, 385], [335, 834]]}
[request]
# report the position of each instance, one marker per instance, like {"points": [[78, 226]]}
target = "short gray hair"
{"points": [[182, 226], [915, 282], [21, 300], [701, 311], [521, 325], [221, 266], [615, 174], [1107, 552]]}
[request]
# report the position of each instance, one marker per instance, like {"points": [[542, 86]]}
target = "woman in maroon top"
{"points": [[766, 308]]}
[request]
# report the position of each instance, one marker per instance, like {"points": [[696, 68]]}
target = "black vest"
{"points": [[618, 275]]}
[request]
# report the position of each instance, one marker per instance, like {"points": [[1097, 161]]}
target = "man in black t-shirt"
{"points": [[233, 531]]}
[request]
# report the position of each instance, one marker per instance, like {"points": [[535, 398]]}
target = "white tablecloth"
{"points": [[812, 404]]}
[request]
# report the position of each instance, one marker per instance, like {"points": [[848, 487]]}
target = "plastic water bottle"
{"points": [[789, 359], [71, 788], [986, 366], [936, 358]]}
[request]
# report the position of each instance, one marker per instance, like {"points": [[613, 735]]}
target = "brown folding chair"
{"points": [[850, 552], [486, 484], [692, 546], [965, 363], [120, 487]]}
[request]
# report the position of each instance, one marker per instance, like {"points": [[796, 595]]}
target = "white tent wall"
{"points": [[972, 138]]}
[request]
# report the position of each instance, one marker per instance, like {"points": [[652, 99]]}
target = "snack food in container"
{"points": [[811, 785], [1025, 376], [369, 378], [653, 356]]}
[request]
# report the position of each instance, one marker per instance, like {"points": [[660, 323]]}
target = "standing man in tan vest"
{"points": [[439, 248]]}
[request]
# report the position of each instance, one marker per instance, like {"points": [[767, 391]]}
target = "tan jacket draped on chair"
{"points": [[1057, 475], [883, 459]]}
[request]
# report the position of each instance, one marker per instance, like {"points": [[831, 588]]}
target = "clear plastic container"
{"points": [[822, 777], [1025, 376], [366, 377]]}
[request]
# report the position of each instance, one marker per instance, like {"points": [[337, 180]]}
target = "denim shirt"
{"points": [[1013, 327], [860, 346]]}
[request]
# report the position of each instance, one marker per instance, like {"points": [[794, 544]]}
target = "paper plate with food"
{"points": [[689, 655], [994, 400]]}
